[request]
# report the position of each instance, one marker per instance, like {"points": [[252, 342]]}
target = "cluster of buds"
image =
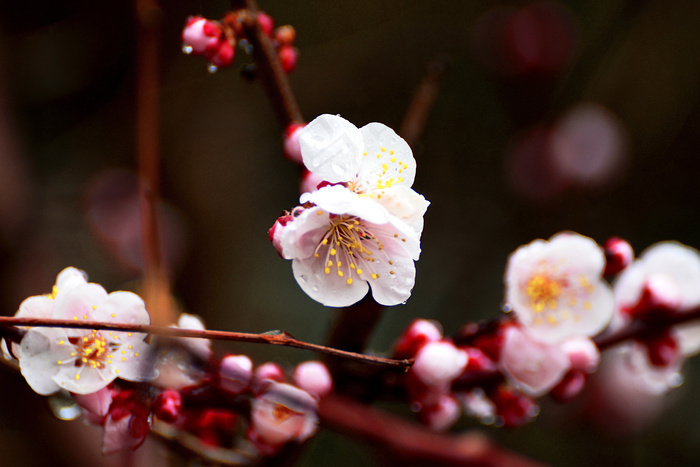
{"points": [[557, 301], [217, 40]]}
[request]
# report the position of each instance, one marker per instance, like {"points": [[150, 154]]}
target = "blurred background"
{"points": [[567, 115]]}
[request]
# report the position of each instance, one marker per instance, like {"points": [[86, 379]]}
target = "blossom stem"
{"points": [[270, 337]]}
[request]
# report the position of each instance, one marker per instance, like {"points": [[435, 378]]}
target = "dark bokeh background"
{"points": [[614, 83]]}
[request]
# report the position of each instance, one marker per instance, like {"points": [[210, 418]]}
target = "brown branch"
{"points": [[269, 70], [156, 287], [655, 322], [408, 441], [271, 337], [423, 100]]}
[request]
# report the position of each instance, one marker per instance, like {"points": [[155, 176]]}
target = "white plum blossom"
{"points": [[373, 161], [364, 228], [665, 275], [313, 377], [556, 290], [84, 361]]}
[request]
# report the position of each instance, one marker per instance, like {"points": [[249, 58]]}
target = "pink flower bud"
{"points": [[514, 409], [97, 402], [236, 373], [313, 377], [419, 333], [288, 57], [266, 23], [441, 416], [438, 364], [309, 182], [167, 405], [292, 149], [618, 255], [285, 35], [583, 354], [200, 36], [224, 54], [266, 373], [569, 387]]}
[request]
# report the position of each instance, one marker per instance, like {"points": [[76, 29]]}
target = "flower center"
{"points": [[281, 413], [347, 246], [543, 292]]}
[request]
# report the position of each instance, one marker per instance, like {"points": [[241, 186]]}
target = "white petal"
{"points": [[388, 161], [339, 200], [300, 237], [395, 281], [40, 354], [77, 302], [39, 306], [328, 289], [405, 204], [122, 307], [70, 277], [532, 366], [137, 364], [331, 147]]}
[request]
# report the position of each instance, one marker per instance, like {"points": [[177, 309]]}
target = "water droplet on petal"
{"points": [[187, 49], [212, 68], [314, 288], [63, 406], [302, 279]]}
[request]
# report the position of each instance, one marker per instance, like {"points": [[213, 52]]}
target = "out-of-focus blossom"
{"points": [[555, 288], [200, 347], [540, 38], [441, 415], [618, 255], [371, 161], [532, 366], [85, 361], [627, 388], [236, 373], [419, 333], [439, 363], [282, 413], [127, 423], [167, 405], [589, 145], [342, 243], [313, 377], [96, 403], [477, 404]]}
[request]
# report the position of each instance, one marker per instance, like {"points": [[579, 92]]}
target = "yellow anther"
{"points": [[359, 271], [94, 307], [60, 362], [61, 342], [378, 156], [333, 251], [324, 241], [339, 264], [330, 263], [392, 153], [364, 153], [327, 270], [340, 273], [400, 179], [136, 354], [393, 159], [374, 276], [349, 281], [77, 377], [385, 167], [319, 212], [75, 318]]}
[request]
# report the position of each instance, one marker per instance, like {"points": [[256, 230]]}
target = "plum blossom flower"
{"points": [[342, 243], [555, 288], [363, 227], [371, 161], [666, 276], [80, 360], [283, 413]]}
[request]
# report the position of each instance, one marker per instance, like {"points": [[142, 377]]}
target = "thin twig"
{"points": [[270, 72], [270, 337]]}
